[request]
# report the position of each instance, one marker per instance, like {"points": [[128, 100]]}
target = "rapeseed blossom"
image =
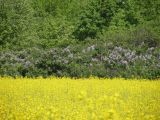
{"points": [[83, 99]]}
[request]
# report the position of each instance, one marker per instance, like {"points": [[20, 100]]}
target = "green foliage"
{"points": [[104, 38], [104, 14], [44, 8], [15, 22], [94, 18]]}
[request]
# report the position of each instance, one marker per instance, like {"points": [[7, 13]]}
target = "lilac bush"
{"points": [[83, 61]]}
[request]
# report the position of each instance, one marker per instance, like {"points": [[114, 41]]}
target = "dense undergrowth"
{"points": [[80, 38]]}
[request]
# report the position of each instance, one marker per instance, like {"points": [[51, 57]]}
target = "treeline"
{"points": [[80, 38]]}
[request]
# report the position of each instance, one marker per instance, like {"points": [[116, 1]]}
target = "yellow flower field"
{"points": [[81, 99]]}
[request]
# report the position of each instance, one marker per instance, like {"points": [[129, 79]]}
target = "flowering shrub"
{"points": [[96, 60]]}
